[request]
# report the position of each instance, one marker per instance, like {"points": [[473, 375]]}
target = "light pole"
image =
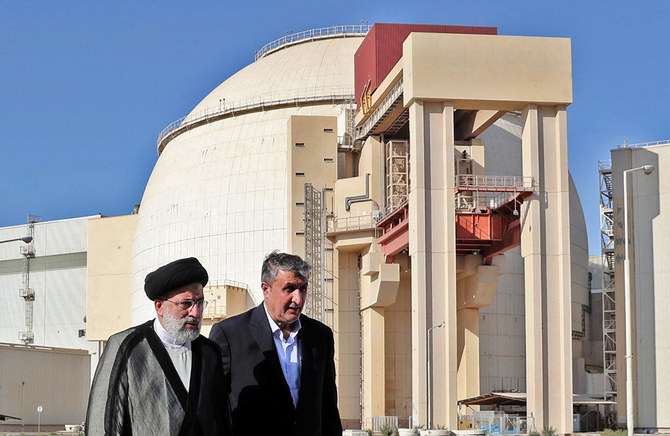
{"points": [[26, 239], [630, 402], [429, 377]]}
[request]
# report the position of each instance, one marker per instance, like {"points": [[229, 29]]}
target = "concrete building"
{"points": [[423, 171], [427, 184], [45, 354], [648, 196]]}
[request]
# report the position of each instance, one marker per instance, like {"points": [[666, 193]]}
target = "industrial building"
{"points": [[634, 234], [45, 355], [428, 185], [423, 171]]}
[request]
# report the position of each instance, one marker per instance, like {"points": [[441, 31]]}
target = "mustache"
{"points": [[191, 319]]}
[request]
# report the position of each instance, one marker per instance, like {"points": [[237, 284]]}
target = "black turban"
{"points": [[174, 275]]}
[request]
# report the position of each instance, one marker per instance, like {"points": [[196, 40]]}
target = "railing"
{"points": [[379, 423], [498, 423], [228, 282], [469, 200], [380, 110], [360, 222], [605, 164], [644, 144], [210, 114], [491, 183], [324, 32]]}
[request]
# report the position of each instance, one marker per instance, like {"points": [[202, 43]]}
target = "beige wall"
{"points": [[349, 340], [312, 156], [109, 281], [398, 344], [649, 236], [55, 378], [223, 301], [532, 70]]}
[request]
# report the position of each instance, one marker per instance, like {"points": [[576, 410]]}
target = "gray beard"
{"points": [[176, 327]]}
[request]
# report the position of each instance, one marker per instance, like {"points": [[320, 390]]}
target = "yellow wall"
{"points": [[349, 340], [398, 341], [55, 378], [470, 70], [109, 281], [312, 156]]}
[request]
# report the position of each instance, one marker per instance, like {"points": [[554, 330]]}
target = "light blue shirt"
{"points": [[288, 351]]}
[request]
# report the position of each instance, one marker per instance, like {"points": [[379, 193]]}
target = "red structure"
{"points": [[487, 231], [382, 49]]}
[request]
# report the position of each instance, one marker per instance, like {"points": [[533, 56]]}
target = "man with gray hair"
{"points": [[162, 377], [278, 363]]}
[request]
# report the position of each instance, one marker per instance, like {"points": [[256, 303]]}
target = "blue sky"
{"points": [[85, 86]]}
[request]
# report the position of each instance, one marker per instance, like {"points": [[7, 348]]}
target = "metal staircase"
{"points": [[27, 336], [609, 302]]}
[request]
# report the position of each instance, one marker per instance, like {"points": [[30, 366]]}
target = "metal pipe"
{"points": [[26, 239], [429, 378], [630, 401]]}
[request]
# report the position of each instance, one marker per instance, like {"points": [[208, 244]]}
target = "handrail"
{"points": [[324, 32], [644, 144], [380, 110], [357, 222], [206, 115], [489, 182]]}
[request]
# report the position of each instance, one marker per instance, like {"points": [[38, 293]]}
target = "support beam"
{"points": [[374, 356], [545, 247], [433, 256]]}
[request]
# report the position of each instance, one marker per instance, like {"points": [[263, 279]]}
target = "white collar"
{"points": [[166, 337]]}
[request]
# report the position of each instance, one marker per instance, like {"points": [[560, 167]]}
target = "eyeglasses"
{"points": [[186, 305]]}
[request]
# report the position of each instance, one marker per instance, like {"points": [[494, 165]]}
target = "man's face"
{"points": [[182, 324], [285, 298]]}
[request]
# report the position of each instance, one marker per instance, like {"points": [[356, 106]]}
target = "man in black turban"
{"points": [[162, 377]]}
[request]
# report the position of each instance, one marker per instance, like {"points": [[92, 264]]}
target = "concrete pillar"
{"points": [[477, 286], [379, 287], [432, 248], [545, 247], [374, 373], [468, 353]]}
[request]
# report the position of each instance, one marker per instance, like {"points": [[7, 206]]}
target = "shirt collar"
{"points": [[275, 328], [166, 337]]}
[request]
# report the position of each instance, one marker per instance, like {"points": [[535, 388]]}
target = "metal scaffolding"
{"points": [[313, 249], [319, 253], [609, 302], [27, 336], [397, 174]]}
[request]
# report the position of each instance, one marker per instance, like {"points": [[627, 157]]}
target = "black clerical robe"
{"points": [[137, 390]]}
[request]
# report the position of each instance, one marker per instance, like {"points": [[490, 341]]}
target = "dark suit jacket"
{"points": [[259, 396]]}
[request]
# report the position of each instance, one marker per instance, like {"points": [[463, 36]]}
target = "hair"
{"points": [[276, 261]]}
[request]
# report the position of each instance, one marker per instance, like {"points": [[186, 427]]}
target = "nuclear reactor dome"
{"points": [[219, 188]]}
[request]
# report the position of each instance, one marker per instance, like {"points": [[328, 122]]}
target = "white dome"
{"points": [[219, 190], [317, 68]]}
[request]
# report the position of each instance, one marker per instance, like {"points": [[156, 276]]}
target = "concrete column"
{"points": [[477, 286], [468, 353], [374, 373], [545, 247], [433, 256]]}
